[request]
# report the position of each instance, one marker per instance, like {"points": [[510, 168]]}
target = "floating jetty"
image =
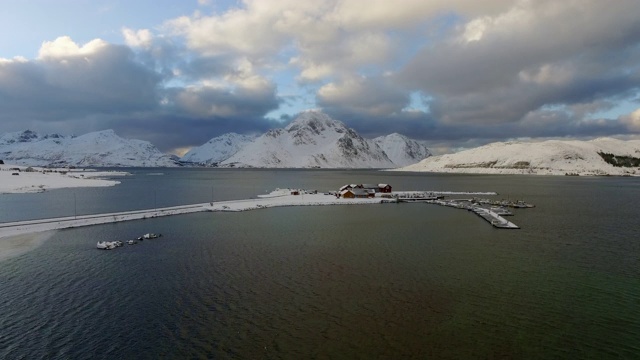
{"points": [[491, 215], [494, 219]]}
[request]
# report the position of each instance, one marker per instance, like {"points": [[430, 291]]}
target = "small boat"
{"points": [[151, 236], [107, 245], [131, 242]]}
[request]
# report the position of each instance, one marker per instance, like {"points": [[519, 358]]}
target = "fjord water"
{"points": [[370, 281]]}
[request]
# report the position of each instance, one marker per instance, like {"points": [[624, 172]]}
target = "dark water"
{"points": [[373, 281]]}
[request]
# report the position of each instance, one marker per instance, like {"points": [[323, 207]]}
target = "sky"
{"points": [[454, 73]]}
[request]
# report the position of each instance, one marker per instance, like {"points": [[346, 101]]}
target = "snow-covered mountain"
{"points": [[552, 157], [402, 150], [96, 149], [217, 149], [313, 139]]}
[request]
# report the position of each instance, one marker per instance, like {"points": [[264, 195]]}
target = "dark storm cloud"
{"points": [[192, 116], [225, 102], [169, 131], [106, 81], [497, 70], [447, 136]]}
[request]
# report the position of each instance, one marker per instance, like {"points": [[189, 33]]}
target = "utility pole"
{"points": [[75, 207]]}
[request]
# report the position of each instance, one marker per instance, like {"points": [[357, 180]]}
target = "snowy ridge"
{"points": [[402, 150], [551, 157], [313, 139], [96, 149], [28, 136], [217, 149]]}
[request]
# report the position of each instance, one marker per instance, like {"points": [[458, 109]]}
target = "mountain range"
{"points": [[95, 149], [312, 140], [603, 156]]}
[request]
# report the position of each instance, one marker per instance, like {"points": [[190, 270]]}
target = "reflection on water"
{"points": [[395, 281]]}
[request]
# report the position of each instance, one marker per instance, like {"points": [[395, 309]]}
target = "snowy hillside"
{"points": [[217, 149], [96, 149], [552, 157], [313, 139], [402, 150]]}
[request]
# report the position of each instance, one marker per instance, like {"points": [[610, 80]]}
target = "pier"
{"points": [[491, 216]]}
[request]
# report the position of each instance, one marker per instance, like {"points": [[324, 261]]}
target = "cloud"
{"points": [[326, 37], [524, 68], [485, 69], [496, 69], [137, 38], [209, 101], [69, 80], [77, 88], [64, 47], [632, 121], [371, 96]]}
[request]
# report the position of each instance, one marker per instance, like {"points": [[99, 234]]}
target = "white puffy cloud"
{"points": [[64, 47], [137, 38], [326, 38]]}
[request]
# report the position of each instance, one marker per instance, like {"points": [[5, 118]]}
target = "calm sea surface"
{"points": [[371, 281]]}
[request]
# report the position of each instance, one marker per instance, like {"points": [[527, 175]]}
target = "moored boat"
{"points": [[107, 245]]}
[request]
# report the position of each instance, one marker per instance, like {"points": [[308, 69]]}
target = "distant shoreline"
{"points": [[16, 179]]}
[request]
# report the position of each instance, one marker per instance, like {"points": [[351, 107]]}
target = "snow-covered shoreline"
{"points": [[24, 179]]}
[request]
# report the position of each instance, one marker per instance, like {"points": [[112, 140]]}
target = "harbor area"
{"points": [[493, 211]]}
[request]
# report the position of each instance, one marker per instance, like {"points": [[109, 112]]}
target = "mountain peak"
{"points": [[27, 136], [313, 139], [402, 150], [314, 120]]}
